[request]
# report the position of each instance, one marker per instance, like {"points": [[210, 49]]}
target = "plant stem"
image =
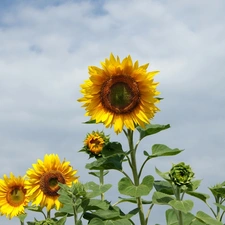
{"points": [[148, 213], [135, 174], [101, 180], [180, 217], [49, 214], [75, 215]]}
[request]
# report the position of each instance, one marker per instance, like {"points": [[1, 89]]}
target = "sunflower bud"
{"points": [[94, 143], [181, 174]]}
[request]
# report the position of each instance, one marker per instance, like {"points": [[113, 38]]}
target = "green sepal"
{"points": [[90, 122]]}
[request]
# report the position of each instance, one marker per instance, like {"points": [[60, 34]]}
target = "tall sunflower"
{"points": [[120, 94], [12, 196], [42, 183]]}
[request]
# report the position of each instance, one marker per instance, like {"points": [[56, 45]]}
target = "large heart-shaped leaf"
{"points": [[126, 187]]}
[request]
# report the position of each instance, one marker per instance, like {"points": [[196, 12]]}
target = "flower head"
{"points": [[181, 174], [120, 94], [12, 196], [94, 143], [42, 184]]}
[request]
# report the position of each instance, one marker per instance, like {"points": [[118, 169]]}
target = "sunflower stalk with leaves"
{"points": [[122, 95]]}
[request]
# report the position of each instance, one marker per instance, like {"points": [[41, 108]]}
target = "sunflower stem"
{"points": [[135, 174], [48, 213], [75, 215], [101, 180], [180, 217]]}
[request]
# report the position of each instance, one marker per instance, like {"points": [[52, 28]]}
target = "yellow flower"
{"points": [[12, 196], [42, 184], [94, 143], [120, 94]]}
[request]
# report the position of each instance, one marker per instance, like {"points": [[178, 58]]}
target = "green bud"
{"points": [[181, 174]]}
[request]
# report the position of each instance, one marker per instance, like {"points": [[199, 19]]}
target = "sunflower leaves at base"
{"points": [[112, 216]]}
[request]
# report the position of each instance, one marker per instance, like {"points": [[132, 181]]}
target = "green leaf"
{"points": [[163, 150], [97, 174], [96, 189], [65, 199], [203, 217], [111, 149], [134, 200], [22, 217], [61, 221], [194, 185], [198, 195], [188, 219], [34, 208], [114, 162], [184, 206], [218, 191], [165, 175], [126, 187], [151, 129], [67, 208], [131, 213], [96, 221], [163, 186], [107, 214], [117, 222], [94, 204], [161, 198], [220, 206]]}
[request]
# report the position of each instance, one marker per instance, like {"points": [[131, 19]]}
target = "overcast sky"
{"points": [[47, 46]]}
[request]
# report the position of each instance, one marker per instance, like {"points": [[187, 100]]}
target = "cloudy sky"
{"points": [[46, 47]]}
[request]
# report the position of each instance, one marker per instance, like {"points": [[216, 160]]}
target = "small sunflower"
{"points": [[42, 184], [94, 143], [13, 197], [120, 94]]}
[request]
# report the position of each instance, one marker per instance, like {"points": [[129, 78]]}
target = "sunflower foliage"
{"points": [[123, 95]]}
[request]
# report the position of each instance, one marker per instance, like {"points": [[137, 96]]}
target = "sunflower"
{"points": [[42, 183], [120, 94], [94, 143], [12, 196]]}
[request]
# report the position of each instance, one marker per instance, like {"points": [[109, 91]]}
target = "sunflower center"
{"points": [[120, 94], [16, 196], [49, 182]]}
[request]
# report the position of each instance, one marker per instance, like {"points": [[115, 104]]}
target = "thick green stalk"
{"points": [[135, 174], [74, 213], [101, 179], [180, 217], [49, 214]]}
